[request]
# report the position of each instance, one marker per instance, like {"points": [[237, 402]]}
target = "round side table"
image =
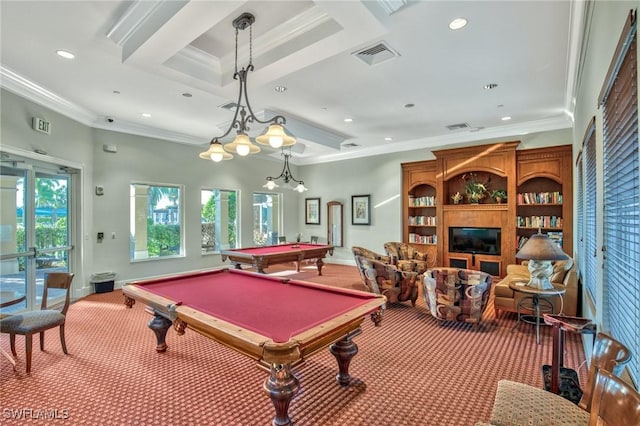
{"points": [[535, 301]]}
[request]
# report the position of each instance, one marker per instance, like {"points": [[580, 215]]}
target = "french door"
{"points": [[34, 229]]}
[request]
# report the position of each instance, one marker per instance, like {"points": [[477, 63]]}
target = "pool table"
{"points": [[278, 322], [263, 256]]}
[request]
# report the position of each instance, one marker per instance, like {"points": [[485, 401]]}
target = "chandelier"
{"points": [[275, 135], [286, 176]]}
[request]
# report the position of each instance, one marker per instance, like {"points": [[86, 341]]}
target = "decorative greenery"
{"points": [[475, 189], [499, 193]]}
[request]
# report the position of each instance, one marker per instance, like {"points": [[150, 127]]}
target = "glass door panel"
{"points": [[34, 232], [15, 257]]}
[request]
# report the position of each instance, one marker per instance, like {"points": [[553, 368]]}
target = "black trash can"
{"points": [[103, 281]]}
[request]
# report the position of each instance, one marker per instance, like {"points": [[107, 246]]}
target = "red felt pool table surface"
{"points": [[273, 307]]}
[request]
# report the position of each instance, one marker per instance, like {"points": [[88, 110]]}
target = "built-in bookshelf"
{"points": [[420, 206], [421, 217], [544, 199], [538, 183]]}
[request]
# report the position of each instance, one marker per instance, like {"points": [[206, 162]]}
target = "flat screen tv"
{"points": [[474, 240]]}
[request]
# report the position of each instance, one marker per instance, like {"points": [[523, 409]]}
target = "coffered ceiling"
{"points": [[393, 67]]}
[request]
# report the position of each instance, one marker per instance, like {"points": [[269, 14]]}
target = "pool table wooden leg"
{"points": [[281, 386], [160, 325], [319, 263], [344, 350]]}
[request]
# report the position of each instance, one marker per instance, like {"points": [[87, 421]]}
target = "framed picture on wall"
{"points": [[360, 210], [312, 211]]}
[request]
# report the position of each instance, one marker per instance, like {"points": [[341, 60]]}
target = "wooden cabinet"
{"points": [[419, 207], [538, 183]]}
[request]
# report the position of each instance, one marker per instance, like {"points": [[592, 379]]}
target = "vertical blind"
{"points": [[621, 220]]}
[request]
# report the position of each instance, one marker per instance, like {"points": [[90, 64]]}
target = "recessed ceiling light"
{"points": [[348, 120], [280, 89], [388, 139], [490, 86], [187, 95], [457, 23], [146, 115], [65, 54], [507, 118]]}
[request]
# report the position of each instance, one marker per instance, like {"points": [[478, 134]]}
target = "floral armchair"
{"points": [[453, 294], [381, 277], [407, 258]]}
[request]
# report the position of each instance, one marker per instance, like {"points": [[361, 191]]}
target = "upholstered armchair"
{"points": [[407, 258], [360, 253], [453, 294], [396, 285], [383, 278]]}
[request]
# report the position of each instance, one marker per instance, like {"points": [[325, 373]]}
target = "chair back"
{"points": [[608, 354], [58, 280], [282, 239], [614, 402], [314, 239]]}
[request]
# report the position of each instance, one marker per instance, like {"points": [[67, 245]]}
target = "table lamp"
{"points": [[540, 251]]}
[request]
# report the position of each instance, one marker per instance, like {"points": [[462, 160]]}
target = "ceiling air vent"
{"points": [[376, 54], [231, 106], [350, 145], [458, 126]]}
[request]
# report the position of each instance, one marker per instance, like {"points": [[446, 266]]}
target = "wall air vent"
{"points": [[376, 54], [458, 126]]}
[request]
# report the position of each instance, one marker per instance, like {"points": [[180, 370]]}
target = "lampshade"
{"points": [[242, 145], [301, 187], [215, 152], [276, 137], [541, 247], [270, 184]]}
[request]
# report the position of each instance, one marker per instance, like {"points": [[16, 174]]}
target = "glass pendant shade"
{"points": [[242, 145], [300, 187], [276, 137], [270, 184], [215, 152]]}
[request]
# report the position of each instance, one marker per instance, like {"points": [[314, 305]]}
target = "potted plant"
{"points": [[475, 189], [499, 195], [457, 197]]}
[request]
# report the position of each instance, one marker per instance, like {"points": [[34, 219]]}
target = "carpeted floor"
{"points": [[410, 371]]}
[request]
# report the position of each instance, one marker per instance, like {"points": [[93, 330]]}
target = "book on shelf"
{"points": [[539, 198], [426, 201]]}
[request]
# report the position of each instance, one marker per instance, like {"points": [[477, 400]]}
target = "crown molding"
{"points": [[37, 94], [436, 142]]}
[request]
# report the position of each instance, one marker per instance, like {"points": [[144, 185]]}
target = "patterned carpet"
{"points": [[410, 371]]}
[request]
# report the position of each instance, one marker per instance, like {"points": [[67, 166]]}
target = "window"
{"points": [[621, 219], [156, 221], [267, 218], [590, 247], [219, 220], [580, 211]]}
